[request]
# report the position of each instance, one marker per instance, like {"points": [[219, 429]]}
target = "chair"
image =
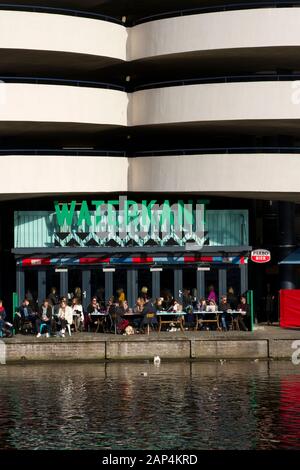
{"points": [[150, 319], [69, 329]]}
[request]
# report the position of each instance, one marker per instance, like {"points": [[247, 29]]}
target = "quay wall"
{"points": [[120, 348]]}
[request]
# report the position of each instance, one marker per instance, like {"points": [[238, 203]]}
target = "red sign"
{"points": [[260, 256]]}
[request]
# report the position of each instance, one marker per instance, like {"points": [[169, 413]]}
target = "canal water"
{"points": [[235, 405]]}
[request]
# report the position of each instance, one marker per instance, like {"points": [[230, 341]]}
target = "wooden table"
{"points": [[176, 317], [200, 321]]}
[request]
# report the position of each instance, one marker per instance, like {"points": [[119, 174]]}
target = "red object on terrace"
{"points": [[290, 308]]}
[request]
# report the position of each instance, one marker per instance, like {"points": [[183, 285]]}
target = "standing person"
{"points": [[121, 294], [78, 294], [2, 317], [187, 299], [44, 318], [65, 316], [269, 305], [244, 312], [232, 298], [211, 294], [53, 297], [144, 292]]}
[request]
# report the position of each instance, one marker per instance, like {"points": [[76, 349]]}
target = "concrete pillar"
{"points": [[177, 284], [64, 284], [222, 282], [86, 288], [155, 284], [132, 289], [41, 286], [109, 285], [200, 284]]}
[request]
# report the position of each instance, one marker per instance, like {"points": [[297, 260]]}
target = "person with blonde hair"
{"points": [[65, 316], [121, 294]]}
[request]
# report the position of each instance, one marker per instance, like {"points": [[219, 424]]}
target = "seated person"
{"points": [[149, 314], [65, 317], [139, 305], [244, 312], [202, 305], [23, 315], [93, 309], [121, 309], [168, 300], [137, 310], [225, 315], [175, 306], [77, 309], [189, 320], [212, 306], [44, 318]]}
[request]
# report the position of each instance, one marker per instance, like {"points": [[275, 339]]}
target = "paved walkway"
{"points": [[260, 333]]}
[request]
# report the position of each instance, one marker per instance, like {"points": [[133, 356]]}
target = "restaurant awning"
{"points": [[292, 258]]}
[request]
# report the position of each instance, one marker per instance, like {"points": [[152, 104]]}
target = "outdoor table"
{"points": [[99, 317], [177, 318], [234, 314], [200, 321], [132, 316]]}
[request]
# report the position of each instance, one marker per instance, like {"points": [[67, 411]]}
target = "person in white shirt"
{"points": [[212, 306], [65, 316], [77, 310]]}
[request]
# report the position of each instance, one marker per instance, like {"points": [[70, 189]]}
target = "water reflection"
{"points": [[243, 405]]}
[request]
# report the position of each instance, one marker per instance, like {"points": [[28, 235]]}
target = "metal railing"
{"points": [[215, 150], [219, 79], [64, 151], [217, 8], [59, 11], [147, 153], [61, 81], [147, 86]]}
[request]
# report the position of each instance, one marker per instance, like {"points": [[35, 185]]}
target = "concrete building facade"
{"points": [[194, 100]]}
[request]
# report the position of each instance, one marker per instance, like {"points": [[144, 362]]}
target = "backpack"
{"points": [[122, 325]]}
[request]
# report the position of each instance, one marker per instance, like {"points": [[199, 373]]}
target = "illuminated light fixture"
{"points": [[156, 270], [109, 270], [203, 268]]}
